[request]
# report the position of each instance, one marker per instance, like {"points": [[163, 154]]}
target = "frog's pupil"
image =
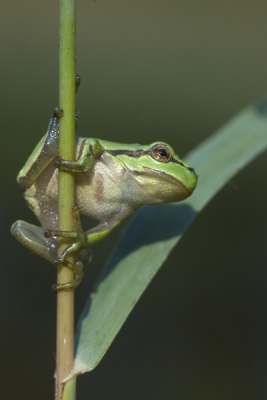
{"points": [[162, 152]]}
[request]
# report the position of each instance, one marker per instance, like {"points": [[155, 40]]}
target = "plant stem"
{"points": [[65, 299]]}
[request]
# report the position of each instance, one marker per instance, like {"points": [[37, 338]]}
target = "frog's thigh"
{"points": [[45, 151], [98, 233], [32, 237]]}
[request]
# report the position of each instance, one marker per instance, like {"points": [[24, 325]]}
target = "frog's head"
{"points": [[161, 175]]}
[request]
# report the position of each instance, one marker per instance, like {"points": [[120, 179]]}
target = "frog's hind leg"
{"points": [[78, 249], [45, 151], [32, 237]]}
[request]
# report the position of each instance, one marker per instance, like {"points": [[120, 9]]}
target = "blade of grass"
{"points": [[154, 231], [65, 299]]}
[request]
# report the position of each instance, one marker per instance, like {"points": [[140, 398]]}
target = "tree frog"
{"points": [[112, 181]]}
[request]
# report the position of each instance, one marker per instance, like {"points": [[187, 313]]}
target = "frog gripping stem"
{"points": [[78, 249]]}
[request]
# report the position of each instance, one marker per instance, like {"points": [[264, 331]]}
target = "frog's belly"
{"points": [[99, 193], [100, 197]]}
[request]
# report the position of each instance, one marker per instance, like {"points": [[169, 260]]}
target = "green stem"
{"points": [[65, 299]]}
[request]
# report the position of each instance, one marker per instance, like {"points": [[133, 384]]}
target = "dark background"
{"points": [[170, 70]]}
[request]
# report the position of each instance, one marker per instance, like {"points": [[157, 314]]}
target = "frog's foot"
{"points": [[78, 249], [77, 269]]}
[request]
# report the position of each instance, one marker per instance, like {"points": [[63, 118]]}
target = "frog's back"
{"points": [[116, 146]]}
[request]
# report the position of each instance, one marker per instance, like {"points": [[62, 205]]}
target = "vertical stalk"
{"points": [[65, 299]]}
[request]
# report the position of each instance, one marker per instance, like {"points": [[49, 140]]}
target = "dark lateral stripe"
{"points": [[141, 153], [129, 153]]}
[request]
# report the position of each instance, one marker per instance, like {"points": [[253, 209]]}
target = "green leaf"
{"points": [[155, 230]]}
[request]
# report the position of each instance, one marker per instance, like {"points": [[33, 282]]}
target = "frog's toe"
{"points": [[77, 269], [83, 255], [32, 237]]}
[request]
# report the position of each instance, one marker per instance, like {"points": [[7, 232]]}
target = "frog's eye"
{"points": [[161, 152]]}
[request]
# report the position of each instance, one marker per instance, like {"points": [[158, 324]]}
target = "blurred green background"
{"points": [[174, 70]]}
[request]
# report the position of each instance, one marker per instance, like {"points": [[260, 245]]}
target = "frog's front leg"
{"points": [[90, 150]]}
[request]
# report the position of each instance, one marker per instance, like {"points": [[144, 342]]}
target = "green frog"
{"points": [[112, 180]]}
